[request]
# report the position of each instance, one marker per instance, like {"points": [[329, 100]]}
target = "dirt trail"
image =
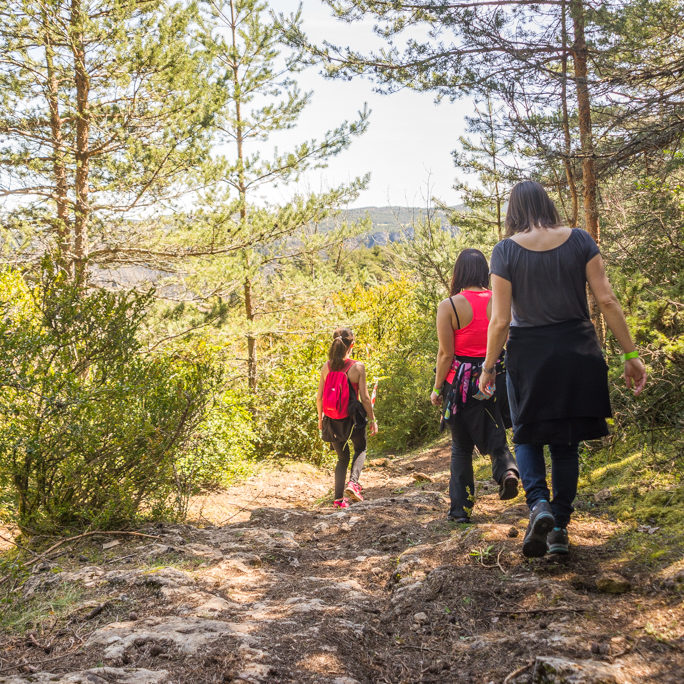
{"points": [[272, 587]]}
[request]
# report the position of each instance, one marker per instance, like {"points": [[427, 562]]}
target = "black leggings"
{"points": [[358, 440]]}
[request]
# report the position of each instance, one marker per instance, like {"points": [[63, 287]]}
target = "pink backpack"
{"points": [[336, 392]]}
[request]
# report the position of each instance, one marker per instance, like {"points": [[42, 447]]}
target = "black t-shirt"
{"points": [[549, 286]]}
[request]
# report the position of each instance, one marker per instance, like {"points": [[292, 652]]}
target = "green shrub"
{"points": [[222, 447], [90, 427], [285, 406]]}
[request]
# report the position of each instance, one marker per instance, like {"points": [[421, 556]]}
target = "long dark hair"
{"points": [[470, 270], [342, 340], [529, 205]]}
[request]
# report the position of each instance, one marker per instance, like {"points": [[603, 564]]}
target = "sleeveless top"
{"points": [[347, 365], [472, 339]]}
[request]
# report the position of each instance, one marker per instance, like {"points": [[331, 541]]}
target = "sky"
{"points": [[407, 147]]}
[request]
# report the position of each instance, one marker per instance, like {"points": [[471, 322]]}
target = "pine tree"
{"points": [[488, 157], [534, 55], [262, 98], [106, 108]]}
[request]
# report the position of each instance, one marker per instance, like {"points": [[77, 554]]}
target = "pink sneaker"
{"points": [[341, 503], [353, 491]]}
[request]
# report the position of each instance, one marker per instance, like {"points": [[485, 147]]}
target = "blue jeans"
{"points": [[564, 474]]}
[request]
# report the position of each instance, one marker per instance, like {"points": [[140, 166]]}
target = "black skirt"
{"points": [[557, 383]]}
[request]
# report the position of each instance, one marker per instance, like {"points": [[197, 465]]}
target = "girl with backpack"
{"points": [[474, 419], [344, 408]]}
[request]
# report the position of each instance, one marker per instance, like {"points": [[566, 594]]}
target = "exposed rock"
{"points": [[549, 670], [422, 477], [420, 618], [187, 634], [96, 675], [301, 604], [612, 583], [203, 551], [598, 648], [379, 463], [603, 495]]}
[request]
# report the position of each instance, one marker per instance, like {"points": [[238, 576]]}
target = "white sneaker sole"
{"points": [[351, 494]]}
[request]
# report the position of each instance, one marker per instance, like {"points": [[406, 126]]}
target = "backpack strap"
{"points": [[458, 320], [349, 363]]}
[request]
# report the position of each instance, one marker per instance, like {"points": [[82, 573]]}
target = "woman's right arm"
{"points": [[445, 355], [635, 373], [497, 331], [319, 398]]}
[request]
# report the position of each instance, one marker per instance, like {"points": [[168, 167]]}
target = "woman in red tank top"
{"points": [[474, 419]]}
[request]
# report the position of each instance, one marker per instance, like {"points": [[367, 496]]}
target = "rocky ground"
{"points": [[272, 585]]}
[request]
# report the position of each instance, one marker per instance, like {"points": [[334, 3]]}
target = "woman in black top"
{"points": [[557, 377]]}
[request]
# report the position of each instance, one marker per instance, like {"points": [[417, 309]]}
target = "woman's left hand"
{"points": [[435, 399], [487, 381]]}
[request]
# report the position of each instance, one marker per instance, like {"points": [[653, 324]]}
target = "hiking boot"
{"points": [[458, 518], [541, 523], [341, 503], [353, 491], [557, 540], [508, 489]]}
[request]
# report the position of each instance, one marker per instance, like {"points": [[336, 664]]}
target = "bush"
{"points": [[90, 427], [285, 406], [222, 446], [396, 339]]}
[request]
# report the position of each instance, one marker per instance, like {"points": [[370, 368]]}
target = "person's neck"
{"points": [[475, 289]]}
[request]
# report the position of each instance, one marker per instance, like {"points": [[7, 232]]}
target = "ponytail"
{"points": [[343, 338]]}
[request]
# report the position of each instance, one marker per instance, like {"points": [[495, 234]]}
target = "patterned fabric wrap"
{"points": [[466, 376]]}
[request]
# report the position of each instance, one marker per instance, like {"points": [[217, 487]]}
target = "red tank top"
{"points": [[472, 339]]}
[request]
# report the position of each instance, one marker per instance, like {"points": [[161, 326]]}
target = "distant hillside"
{"points": [[389, 224]]}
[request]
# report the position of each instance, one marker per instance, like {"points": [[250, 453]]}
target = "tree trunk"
{"points": [[492, 152], [589, 182], [82, 213], [251, 339], [58, 163], [567, 162], [242, 191]]}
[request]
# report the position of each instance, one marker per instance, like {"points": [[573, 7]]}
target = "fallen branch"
{"points": [[519, 671], [18, 545], [92, 533], [41, 662], [499, 564], [46, 554], [536, 610], [424, 648], [242, 508], [96, 611]]}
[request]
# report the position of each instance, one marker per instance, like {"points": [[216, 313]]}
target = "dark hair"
{"points": [[470, 270], [342, 340], [528, 206]]}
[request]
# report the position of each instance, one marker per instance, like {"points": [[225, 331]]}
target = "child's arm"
{"points": [[366, 400]]}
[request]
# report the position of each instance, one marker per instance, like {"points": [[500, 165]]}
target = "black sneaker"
{"points": [[458, 518], [541, 523], [508, 489], [557, 540]]}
